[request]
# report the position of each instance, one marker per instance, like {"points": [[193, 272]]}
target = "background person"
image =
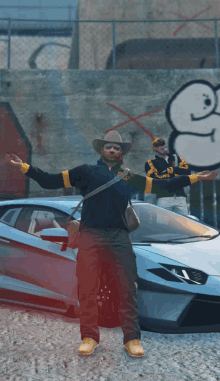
{"points": [[165, 166]]}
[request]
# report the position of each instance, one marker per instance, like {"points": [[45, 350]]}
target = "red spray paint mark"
{"points": [[131, 119], [186, 18], [191, 18]]}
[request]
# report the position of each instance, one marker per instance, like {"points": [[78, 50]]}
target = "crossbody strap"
{"points": [[97, 190]]}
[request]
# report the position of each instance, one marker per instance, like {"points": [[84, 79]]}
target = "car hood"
{"points": [[202, 255]]}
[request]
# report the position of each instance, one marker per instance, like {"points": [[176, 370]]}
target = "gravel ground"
{"points": [[42, 346]]}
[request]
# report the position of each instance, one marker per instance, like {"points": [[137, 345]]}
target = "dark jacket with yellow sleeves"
{"points": [[159, 168], [107, 208]]}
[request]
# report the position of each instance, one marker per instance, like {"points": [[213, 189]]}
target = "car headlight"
{"points": [[189, 275], [164, 274]]}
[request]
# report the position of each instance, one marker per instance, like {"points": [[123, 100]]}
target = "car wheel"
{"points": [[107, 300]]}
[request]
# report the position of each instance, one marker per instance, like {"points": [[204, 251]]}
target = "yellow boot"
{"points": [[87, 347], [134, 348]]}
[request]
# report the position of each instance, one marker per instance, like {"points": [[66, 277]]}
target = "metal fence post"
{"points": [[9, 43], [70, 12], [214, 204], [113, 45], [40, 10], [216, 44], [201, 195]]}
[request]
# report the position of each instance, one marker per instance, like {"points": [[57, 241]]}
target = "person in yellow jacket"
{"points": [[165, 166]]}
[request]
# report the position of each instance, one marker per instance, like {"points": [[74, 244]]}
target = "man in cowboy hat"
{"points": [[104, 233]]}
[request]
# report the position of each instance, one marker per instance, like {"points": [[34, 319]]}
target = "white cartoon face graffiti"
{"points": [[194, 114]]}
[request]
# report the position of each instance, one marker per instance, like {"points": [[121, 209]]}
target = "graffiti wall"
{"points": [[193, 112], [61, 112]]}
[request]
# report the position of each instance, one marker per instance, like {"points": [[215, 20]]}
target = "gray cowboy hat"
{"points": [[111, 137]]}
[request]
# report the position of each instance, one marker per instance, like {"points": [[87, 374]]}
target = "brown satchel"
{"points": [[132, 219]]}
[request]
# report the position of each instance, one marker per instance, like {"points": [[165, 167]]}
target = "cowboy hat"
{"points": [[111, 137]]}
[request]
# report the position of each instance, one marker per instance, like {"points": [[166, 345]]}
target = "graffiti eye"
{"points": [[207, 101]]}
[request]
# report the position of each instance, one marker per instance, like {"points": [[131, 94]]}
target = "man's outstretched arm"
{"points": [[149, 185], [65, 179]]}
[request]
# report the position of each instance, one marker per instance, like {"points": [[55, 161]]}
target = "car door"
{"points": [[40, 264], [8, 215]]}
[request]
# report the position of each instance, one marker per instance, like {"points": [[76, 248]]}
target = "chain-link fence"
{"points": [[109, 44], [30, 45], [164, 45], [95, 44]]}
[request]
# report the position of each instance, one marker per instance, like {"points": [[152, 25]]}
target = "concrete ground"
{"points": [[43, 346]]}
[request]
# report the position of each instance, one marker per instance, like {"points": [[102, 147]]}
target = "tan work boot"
{"points": [[87, 347], [134, 348]]}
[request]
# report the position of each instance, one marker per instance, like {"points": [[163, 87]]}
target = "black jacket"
{"points": [[159, 168], [107, 208]]}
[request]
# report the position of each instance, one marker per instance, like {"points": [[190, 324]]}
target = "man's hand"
{"points": [[202, 173], [206, 175], [13, 160]]}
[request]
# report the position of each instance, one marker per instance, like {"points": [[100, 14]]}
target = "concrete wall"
{"points": [[61, 112]]}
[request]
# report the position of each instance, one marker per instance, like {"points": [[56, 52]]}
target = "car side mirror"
{"points": [[55, 235]]}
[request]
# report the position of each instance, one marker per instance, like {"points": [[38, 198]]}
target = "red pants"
{"points": [[114, 247]]}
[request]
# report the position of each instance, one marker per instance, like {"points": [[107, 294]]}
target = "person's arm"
{"points": [[149, 168], [65, 179], [182, 169], [149, 185], [151, 171]]}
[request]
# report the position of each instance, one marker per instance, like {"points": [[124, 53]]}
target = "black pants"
{"points": [[112, 246]]}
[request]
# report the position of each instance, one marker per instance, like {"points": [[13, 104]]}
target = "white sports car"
{"points": [[178, 262]]}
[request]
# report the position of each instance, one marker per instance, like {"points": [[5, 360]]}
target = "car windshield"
{"points": [[160, 225]]}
